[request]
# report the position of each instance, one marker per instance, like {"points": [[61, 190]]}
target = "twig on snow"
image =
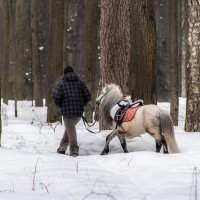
{"points": [[34, 174], [194, 184]]}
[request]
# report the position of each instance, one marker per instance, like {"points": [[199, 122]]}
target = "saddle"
{"points": [[125, 110]]}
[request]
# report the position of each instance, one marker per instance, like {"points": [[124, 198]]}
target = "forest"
{"points": [[149, 48]]}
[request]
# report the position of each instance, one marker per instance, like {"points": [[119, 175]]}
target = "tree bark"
{"points": [[0, 115], [173, 54], [91, 22], [43, 31], [193, 82], [1, 36], [185, 48], [115, 42], [65, 39], [19, 43], [1, 53], [55, 55], [28, 87], [12, 14], [6, 52], [37, 72], [79, 42], [162, 50], [142, 75]]}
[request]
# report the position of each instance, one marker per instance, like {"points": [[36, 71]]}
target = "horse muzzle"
{"points": [[97, 102]]}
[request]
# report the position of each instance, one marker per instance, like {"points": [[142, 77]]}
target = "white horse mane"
{"points": [[110, 96]]}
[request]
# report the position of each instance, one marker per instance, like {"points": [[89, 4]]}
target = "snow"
{"points": [[31, 169]]}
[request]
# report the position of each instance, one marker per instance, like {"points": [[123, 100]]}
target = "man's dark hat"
{"points": [[68, 69]]}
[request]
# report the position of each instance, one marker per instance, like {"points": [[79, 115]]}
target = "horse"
{"points": [[149, 119]]}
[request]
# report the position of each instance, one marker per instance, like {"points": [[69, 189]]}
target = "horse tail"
{"points": [[167, 130]]}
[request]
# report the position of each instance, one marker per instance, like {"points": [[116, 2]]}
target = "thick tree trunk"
{"points": [[1, 63], [28, 52], [142, 76], [19, 43], [1, 35], [79, 33], [193, 87], [12, 13], [55, 55], [43, 29], [91, 22], [37, 72], [173, 54], [162, 50], [185, 48], [115, 42]]}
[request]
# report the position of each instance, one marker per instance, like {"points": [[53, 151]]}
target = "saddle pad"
{"points": [[130, 114]]}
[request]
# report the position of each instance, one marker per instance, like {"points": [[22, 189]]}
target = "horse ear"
{"points": [[105, 86]]}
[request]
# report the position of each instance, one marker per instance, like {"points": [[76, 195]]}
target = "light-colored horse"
{"points": [[148, 119]]}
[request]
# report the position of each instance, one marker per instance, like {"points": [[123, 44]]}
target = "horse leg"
{"points": [[159, 139], [108, 139], [164, 143], [161, 142], [158, 145], [122, 140]]}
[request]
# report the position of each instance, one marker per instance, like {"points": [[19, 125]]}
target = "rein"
{"points": [[86, 124]]}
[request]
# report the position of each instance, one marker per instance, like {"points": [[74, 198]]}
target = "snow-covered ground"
{"points": [[30, 169]]}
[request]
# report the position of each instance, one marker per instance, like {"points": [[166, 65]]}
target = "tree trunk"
{"points": [[91, 22], [1, 64], [1, 35], [173, 54], [6, 52], [179, 38], [162, 50], [12, 13], [115, 42], [0, 115], [43, 29], [65, 39], [55, 55], [185, 48], [78, 39], [28, 87], [37, 72], [193, 87], [142, 76], [19, 42]]}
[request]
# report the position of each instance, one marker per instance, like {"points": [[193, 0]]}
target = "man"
{"points": [[70, 95]]}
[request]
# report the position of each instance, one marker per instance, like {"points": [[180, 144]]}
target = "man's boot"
{"points": [[74, 150], [63, 147]]}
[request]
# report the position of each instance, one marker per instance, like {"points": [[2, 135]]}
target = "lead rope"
{"points": [[86, 124]]}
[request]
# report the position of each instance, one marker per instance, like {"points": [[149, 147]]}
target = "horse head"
{"points": [[108, 89]]}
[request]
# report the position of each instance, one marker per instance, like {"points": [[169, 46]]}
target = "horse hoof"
{"points": [[104, 153]]}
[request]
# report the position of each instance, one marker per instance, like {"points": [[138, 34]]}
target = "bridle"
{"points": [[99, 101], [86, 124]]}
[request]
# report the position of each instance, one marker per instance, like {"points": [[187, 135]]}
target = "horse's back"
{"points": [[146, 116]]}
